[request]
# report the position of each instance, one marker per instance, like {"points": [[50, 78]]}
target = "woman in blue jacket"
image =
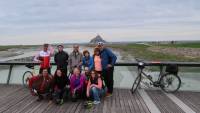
{"points": [[87, 60]]}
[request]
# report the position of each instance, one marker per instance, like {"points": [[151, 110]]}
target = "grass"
{"points": [[140, 51], [182, 45], [5, 48]]}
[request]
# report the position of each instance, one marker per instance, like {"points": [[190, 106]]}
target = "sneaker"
{"points": [[61, 102], [96, 102], [108, 94]]}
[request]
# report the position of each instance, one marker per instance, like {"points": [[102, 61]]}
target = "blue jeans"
{"points": [[96, 93]]}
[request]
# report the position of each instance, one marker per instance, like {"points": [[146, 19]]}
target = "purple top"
{"points": [[77, 82]]}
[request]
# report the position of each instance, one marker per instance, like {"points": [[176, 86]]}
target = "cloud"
{"points": [[29, 18]]}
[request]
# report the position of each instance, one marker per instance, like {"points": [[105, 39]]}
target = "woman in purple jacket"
{"points": [[77, 81]]}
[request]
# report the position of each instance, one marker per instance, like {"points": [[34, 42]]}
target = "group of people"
{"points": [[91, 76]]}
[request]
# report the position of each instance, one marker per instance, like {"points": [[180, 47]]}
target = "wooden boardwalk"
{"points": [[16, 99]]}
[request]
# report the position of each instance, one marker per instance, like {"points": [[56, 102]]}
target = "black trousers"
{"points": [[41, 69], [108, 78]]}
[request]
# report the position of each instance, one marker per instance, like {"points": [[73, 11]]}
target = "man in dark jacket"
{"points": [[108, 60], [61, 59]]}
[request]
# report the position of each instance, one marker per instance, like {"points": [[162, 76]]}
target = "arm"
{"points": [[99, 86], [91, 65], [88, 89], [51, 49], [82, 81], [36, 58], [112, 56], [72, 83], [67, 57], [55, 58]]}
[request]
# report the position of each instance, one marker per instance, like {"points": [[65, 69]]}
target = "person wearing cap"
{"points": [[87, 60], [108, 60], [44, 57], [61, 59], [75, 58]]}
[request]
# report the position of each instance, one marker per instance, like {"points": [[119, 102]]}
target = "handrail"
{"points": [[146, 63]]}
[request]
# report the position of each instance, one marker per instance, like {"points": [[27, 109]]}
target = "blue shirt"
{"points": [[107, 57]]}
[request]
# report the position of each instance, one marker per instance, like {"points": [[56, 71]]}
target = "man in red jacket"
{"points": [[41, 84], [44, 58]]}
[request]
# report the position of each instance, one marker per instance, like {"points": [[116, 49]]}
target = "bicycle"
{"points": [[168, 81], [28, 74]]}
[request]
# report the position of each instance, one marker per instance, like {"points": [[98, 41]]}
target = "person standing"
{"points": [[108, 60], [97, 61], [61, 59], [75, 58], [44, 58]]}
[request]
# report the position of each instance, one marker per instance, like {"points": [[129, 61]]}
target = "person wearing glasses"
{"points": [[108, 60]]}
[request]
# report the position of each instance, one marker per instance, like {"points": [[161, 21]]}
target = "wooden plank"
{"points": [[178, 102], [192, 99], [20, 105], [164, 104]]}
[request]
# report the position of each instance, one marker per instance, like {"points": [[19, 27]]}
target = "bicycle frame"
{"points": [[142, 73]]}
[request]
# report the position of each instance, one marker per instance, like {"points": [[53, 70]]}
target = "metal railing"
{"points": [[147, 63]]}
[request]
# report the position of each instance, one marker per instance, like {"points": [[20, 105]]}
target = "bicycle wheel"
{"points": [[136, 84], [26, 75], [170, 83]]}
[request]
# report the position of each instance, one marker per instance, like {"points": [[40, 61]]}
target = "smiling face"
{"points": [[59, 73], [45, 72], [76, 71], [76, 48], [60, 48], [93, 74]]}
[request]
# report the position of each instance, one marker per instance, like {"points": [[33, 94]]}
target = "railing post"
{"points": [[9, 74]]}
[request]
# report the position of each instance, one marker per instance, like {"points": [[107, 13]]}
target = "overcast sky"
{"points": [[55, 21]]}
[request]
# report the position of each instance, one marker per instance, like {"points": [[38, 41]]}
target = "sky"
{"points": [[74, 21]]}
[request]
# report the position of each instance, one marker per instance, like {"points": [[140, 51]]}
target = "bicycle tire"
{"points": [[24, 78], [136, 83], [169, 81]]}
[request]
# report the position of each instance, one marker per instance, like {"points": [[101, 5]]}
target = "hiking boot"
{"points": [[96, 102], [108, 94]]}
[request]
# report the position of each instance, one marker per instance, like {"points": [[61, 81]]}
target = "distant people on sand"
{"points": [[86, 83], [43, 57]]}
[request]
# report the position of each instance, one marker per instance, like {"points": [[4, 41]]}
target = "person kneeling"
{"points": [[77, 81], [41, 85], [95, 87], [59, 85]]}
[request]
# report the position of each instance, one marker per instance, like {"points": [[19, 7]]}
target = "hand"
{"points": [[92, 85], [88, 94], [109, 65]]}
